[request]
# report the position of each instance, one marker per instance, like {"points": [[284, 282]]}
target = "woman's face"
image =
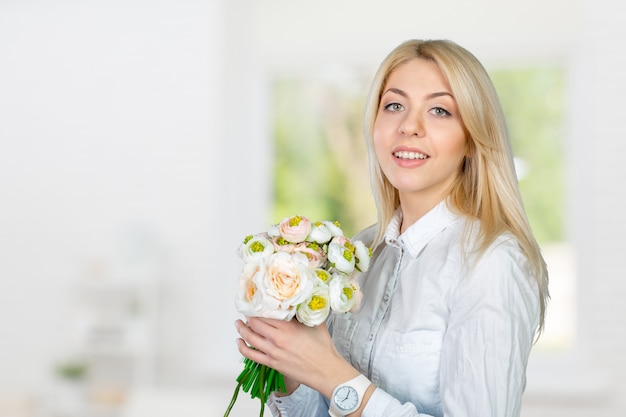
{"points": [[418, 134]]}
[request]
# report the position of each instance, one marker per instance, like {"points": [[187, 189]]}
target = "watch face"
{"points": [[346, 398]]}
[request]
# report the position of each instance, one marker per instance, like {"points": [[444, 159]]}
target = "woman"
{"points": [[457, 288]]}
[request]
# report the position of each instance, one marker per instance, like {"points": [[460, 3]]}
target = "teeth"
{"points": [[410, 155]]}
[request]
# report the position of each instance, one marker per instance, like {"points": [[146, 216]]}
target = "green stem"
{"points": [[262, 390], [233, 400], [260, 381]]}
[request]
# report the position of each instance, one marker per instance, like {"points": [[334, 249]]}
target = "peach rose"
{"points": [[314, 253], [248, 300], [295, 229], [284, 282]]}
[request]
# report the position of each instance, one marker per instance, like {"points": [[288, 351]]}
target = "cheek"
{"points": [[379, 129], [380, 152], [379, 141], [457, 148]]}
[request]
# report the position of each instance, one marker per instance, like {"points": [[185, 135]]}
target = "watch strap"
{"points": [[360, 383]]}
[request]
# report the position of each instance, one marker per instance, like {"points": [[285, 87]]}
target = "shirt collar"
{"points": [[417, 236]]}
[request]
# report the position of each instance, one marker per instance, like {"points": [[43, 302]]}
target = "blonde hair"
{"points": [[487, 188]]}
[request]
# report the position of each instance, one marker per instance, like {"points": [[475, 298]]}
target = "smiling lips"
{"points": [[409, 155]]}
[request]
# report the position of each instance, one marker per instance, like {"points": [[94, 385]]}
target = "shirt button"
{"points": [[386, 297], [371, 337]]}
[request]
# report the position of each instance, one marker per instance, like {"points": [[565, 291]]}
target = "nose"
{"points": [[412, 125]]}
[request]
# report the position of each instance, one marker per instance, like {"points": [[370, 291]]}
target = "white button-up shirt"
{"points": [[439, 332]]}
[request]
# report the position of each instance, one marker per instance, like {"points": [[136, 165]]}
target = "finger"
{"points": [[240, 326], [265, 327], [276, 323], [249, 352], [249, 335], [268, 323], [255, 340]]}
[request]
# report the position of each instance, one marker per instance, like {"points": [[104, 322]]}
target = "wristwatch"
{"points": [[347, 397]]}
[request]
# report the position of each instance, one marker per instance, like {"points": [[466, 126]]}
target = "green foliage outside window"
{"points": [[534, 107], [320, 166]]}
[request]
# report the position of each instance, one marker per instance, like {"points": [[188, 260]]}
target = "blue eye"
{"points": [[394, 107]]}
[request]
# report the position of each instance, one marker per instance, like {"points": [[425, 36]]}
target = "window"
{"points": [[534, 105], [321, 167]]}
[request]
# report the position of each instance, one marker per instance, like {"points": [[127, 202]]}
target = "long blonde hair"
{"points": [[487, 188]]}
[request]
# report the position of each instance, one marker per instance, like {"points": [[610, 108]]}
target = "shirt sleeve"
{"points": [[494, 313], [303, 402]]}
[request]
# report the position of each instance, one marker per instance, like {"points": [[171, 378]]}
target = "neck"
{"points": [[414, 209]]}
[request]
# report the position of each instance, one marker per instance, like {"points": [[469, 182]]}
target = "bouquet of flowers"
{"points": [[296, 269]]}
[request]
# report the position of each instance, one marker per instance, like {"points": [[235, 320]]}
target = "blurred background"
{"points": [[140, 141]]}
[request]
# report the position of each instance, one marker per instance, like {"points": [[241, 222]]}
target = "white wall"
{"points": [[109, 121]]}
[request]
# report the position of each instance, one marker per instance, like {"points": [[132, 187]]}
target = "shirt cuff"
{"points": [[282, 404], [377, 403]]}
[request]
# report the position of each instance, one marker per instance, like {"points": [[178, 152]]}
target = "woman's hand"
{"points": [[302, 354]]}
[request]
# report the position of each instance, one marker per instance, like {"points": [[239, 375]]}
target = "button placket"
{"points": [[382, 311]]}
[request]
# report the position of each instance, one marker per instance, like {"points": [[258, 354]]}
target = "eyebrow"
{"points": [[429, 96]]}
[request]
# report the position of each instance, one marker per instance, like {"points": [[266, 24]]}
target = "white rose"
{"points": [[315, 309], [274, 231], [341, 257], [320, 233], [333, 227], [323, 275], [255, 248], [362, 254], [342, 294], [357, 295]]}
